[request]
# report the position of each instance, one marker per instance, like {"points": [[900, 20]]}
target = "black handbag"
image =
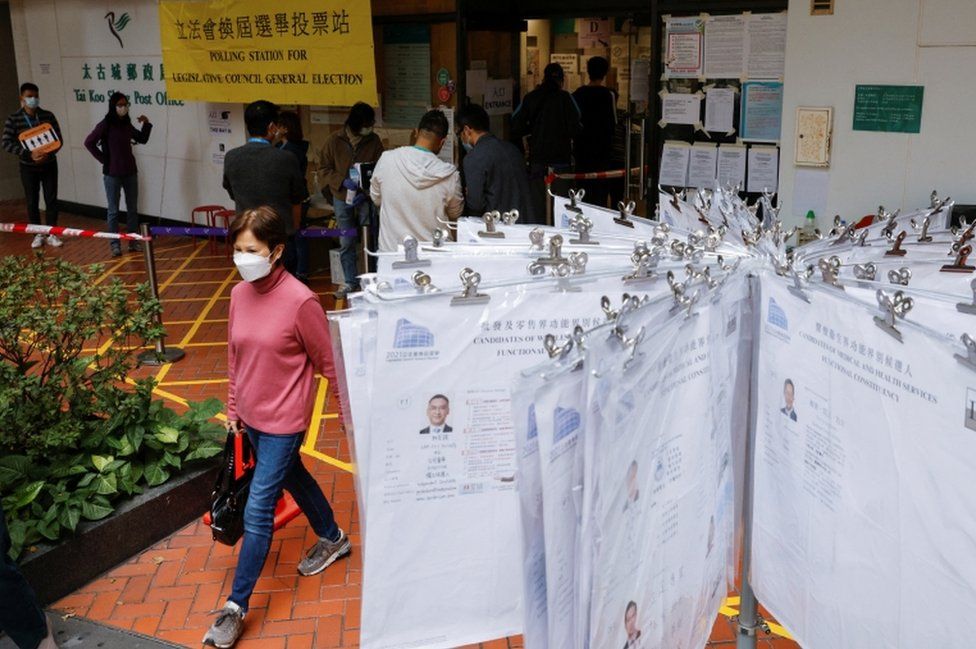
{"points": [[231, 490]]}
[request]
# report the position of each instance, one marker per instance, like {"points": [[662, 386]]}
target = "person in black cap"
{"points": [[550, 119]]}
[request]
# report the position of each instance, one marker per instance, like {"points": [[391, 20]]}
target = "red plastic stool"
{"points": [[227, 216], [206, 213]]}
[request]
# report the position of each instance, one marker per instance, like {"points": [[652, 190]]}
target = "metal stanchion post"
{"points": [[627, 155], [161, 354], [364, 235], [642, 174], [749, 621], [549, 198]]}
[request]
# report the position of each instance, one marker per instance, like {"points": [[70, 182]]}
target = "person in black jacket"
{"points": [[495, 177], [549, 118], [292, 139], [594, 144]]}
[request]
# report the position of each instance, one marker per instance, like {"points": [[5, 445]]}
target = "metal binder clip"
{"points": [[829, 270], [962, 307], [969, 360], [510, 217], [894, 307], [797, 288], [846, 234], [901, 276], [631, 344], [962, 239], [890, 218], [661, 235], [644, 262], [897, 250], [575, 197], [490, 218], [836, 229], [626, 211], [554, 350], [704, 276], [537, 237], [681, 298], [923, 229], [866, 272], [582, 226], [411, 260], [862, 238], [960, 265], [422, 282], [555, 252], [470, 295], [438, 236]]}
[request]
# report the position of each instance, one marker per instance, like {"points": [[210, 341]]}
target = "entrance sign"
{"points": [[240, 51]]}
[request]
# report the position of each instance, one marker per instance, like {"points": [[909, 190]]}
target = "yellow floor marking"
{"points": [[308, 448], [217, 281], [727, 610], [231, 276], [195, 382], [189, 322], [179, 269], [109, 272]]}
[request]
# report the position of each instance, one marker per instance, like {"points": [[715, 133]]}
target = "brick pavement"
{"points": [[169, 590]]}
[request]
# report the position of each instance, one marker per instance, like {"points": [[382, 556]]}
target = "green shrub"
{"points": [[74, 438]]}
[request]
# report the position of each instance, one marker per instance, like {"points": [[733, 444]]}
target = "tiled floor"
{"points": [[168, 590]]}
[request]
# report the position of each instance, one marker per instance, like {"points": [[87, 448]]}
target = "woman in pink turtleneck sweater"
{"points": [[278, 338]]}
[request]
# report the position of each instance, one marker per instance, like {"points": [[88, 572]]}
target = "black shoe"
{"points": [[116, 251], [135, 246]]}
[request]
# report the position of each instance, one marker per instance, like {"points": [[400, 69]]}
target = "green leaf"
{"points": [[69, 518], [101, 462], [26, 494], [135, 435], [172, 460], [14, 469], [51, 531], [87, 480], [204, 450], [156, 474], [167, 435], [93, 511], [106, 484]]}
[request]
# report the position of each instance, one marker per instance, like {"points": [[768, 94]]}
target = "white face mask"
{"points": [[366, 130], [122, 111], [30, 102], [252, 266]]}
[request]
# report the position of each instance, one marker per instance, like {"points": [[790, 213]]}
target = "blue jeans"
{"points": [[20, 616], [114, 186], [278, 466], [349, 217]]}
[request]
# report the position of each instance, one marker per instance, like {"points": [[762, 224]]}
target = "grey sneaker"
{"points": [[323, 554], [135, 246], [116, 250], [227, 628], [342, 292]]}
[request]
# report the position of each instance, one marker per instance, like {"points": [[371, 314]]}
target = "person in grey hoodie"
{"points": [[413, 187]]}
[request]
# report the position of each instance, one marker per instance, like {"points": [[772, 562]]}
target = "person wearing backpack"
{"points": [[110, 142]]}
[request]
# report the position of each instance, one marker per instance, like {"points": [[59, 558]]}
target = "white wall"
{"points": [[901, 42], [177, 170]]}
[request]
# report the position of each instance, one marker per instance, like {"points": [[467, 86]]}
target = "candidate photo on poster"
{"points": [[633, 490], [438, 409], [789, 394], [630, 626]]}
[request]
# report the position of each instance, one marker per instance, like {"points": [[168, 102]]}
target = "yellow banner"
{"points": [[288, 51]]}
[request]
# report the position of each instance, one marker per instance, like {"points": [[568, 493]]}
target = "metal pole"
{"points": [[549, 199], [364, 234], [627, 153], [749, 621], [642, 174], [161, 354]]}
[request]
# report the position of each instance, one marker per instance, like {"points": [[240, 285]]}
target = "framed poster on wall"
{"points": [[813, 126]]}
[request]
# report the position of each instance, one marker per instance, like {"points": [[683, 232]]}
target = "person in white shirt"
{"points": [[438, 408], [413, 187]]}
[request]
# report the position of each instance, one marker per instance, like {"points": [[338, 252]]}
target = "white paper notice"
{"points": [[763, 169], [569, 62], [674, 164], [680, 108], [702, 166], [474, 82], [766, 49], [725, 38], [640, 80], [720, 110], [498, 96], [684, 48], [731, 165], [810, 191]]}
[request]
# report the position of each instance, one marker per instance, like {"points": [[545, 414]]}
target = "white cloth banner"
{"points": [[865, 456]]}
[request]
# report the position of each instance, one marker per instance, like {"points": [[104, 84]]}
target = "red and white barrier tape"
{"points": [[30, 228], [593, 175]]}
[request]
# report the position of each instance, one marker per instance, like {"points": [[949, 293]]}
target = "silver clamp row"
{"points": [[894, 307]]}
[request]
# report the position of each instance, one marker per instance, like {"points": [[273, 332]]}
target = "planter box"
{"points": [[56, 571]]}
